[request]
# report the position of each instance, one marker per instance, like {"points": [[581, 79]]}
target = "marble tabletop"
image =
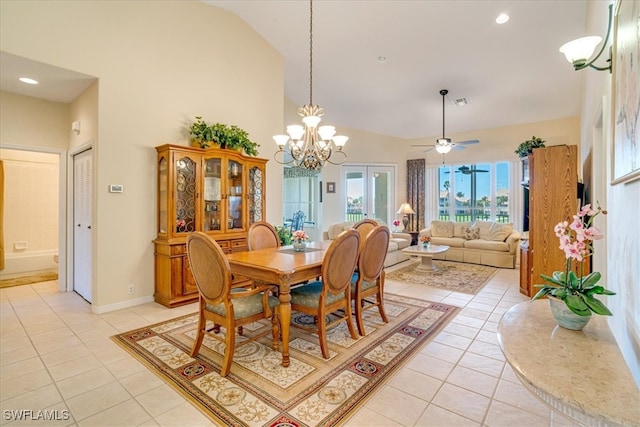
{"points": [[579, 373]]}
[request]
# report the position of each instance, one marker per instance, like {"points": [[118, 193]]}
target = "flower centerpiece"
{"points": [[425, 240], [299, 239], [396, 223], [576, 290]]}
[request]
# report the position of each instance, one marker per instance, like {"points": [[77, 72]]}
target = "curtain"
{"points": [[1, 215], [432, 196], [415, 193]]}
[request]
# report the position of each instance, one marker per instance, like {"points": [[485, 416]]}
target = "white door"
{"points": [[370, 192], [82, 216]]}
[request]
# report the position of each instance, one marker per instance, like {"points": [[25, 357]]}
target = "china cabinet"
{"points": [[220, 192]]}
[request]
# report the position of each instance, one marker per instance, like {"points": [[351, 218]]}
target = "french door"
{"points": [[370, 192]]}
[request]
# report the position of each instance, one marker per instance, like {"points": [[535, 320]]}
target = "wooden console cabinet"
{"points": [[220, 192], [553, 197]]}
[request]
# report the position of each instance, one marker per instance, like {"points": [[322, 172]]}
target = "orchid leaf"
{"points": [[555, 279], [577, 305], [596, 305], [591, 279], [542, 292]]}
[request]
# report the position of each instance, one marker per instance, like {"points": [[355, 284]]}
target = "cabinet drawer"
{"points": [[239, 245]]}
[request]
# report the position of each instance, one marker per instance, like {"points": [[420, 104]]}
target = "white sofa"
{"points": [[397, 242], [480, 242]]}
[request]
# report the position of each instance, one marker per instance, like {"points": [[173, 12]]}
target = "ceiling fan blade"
{"points": [[421, 145], [457, 147], [469, 142]]}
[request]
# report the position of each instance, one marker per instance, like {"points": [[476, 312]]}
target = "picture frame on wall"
{"points": [[625, 147], [331, 187]]}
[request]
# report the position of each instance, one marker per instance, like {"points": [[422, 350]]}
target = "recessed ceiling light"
{"points": [[382, 58], [28, 81], [502, 18]]}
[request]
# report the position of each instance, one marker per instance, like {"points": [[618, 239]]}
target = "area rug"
{"points": [[27, 280], [452, 276], [312, 391]]}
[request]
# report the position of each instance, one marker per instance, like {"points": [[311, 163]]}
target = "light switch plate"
{"points": [[116, 188]]}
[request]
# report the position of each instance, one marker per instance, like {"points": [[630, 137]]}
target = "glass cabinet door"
{"points": [[212, 195], [234, 195], [185, 195], [163, 189], [255, 188]]}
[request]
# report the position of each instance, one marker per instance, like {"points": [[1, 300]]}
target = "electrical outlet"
{"points": [[131, 289]]}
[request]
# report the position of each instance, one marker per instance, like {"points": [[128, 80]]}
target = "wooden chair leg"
{"points": [[230, 343], [322, 335], [359, 321], [275, 331], [202, 325]]}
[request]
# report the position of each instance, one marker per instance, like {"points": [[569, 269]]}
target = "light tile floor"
{"points": [[56, 355]]}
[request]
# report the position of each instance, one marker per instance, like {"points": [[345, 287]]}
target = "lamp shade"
{"points": [[580, 50], [405, 209]]}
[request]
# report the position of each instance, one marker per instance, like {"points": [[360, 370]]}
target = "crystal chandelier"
{"points": [[310, 146]]}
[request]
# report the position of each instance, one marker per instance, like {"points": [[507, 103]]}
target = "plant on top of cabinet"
{"points": [[525, 148], [226, 136]]}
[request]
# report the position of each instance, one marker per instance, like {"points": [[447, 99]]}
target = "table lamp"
{"points": [[405, 209]]}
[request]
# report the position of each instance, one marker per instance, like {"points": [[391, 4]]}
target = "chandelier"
{"points": [[310, 146]]}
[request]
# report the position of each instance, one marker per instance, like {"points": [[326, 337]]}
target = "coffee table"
{"points": [[426, 254]]}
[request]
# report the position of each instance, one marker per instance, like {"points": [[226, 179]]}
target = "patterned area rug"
{"points": [[452, 276], [312, 391]]}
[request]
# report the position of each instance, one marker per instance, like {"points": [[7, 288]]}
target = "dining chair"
{"points": [[262, 235], [331, 294], [369, 280], [222, 305], [364, 226]]}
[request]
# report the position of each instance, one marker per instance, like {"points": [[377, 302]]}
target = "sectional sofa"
{"points": [[480, 242]]}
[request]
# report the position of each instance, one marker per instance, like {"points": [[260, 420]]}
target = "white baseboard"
{"points": [[122, 304]]}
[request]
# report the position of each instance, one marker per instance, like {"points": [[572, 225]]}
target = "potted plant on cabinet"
{"points": [[525, 148], [226, 136]]}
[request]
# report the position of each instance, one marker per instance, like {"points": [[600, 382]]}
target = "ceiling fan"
{"points": [[466, 170], [444, 145]]}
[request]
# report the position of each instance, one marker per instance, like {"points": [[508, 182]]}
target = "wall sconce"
{"points": [[580, 50]]}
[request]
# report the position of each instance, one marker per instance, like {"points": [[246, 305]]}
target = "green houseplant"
{"points": [[577, 290], [525, 148], [226, 136]]}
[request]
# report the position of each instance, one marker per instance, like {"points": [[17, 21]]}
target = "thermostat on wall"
{"points": [[116, 188]]}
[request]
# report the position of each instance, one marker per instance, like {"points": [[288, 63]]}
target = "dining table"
{"points": [[284, 268]]}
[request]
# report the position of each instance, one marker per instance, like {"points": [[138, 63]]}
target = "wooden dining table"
{"points": [[284, 268]]}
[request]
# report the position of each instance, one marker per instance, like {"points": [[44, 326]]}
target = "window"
{"points": [[300, 194], [474, 192]]}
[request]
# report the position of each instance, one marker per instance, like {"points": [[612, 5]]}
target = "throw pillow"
{"points": [[458, 227], [441, 228], [471, 233], [500, 232], [485, 227]]}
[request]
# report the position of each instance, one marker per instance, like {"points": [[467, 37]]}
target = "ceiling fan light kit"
{"points": [[444, 145]]}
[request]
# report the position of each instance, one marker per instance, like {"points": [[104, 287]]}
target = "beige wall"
{"points": [[31, 122], [617, 257], [152, 83]]}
